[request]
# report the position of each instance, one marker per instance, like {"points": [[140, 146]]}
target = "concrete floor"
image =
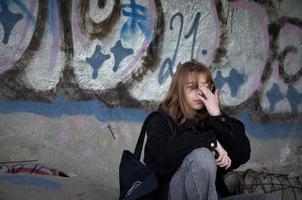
{"points": [[32, 187]]}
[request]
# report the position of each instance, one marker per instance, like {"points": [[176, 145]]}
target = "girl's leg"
{"points": [[253, 197], [195, 178]]}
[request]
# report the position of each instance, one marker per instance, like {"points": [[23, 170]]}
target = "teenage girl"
{"points": [[204, 143]]}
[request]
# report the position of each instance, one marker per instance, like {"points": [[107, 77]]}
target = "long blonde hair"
{"points": [[175, 103]]}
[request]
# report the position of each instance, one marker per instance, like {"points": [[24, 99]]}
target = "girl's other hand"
{"points": [[223, 159]]}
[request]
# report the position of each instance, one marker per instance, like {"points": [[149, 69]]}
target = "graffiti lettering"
{"points": [[193, 31], [138, 18], [163, 75]]}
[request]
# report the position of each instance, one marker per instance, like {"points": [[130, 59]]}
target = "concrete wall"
{"points": [[78, 77]]}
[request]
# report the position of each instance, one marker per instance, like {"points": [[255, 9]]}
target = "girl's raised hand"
{"points": [[210, 100]]}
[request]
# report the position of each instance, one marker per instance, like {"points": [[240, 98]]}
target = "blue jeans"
{"points": [[195, 180]]}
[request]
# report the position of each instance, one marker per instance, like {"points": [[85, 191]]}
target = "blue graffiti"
{"points": [[30, 180], [60, 107], [166, 68], [24, 10], [234, 80], [294, 98], [194, 32], [270, 130], [119, 53], [163, 72], [274, 95], [52, 19], [96, 60], [8, 20], [138, 15]]}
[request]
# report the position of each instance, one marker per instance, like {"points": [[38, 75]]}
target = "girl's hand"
{"points": [[223, 159], [210, 100]]}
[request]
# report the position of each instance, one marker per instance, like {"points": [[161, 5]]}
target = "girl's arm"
{"points": [[230, 132]]}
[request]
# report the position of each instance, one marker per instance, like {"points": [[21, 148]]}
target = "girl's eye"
{"points": [[192, 86]]}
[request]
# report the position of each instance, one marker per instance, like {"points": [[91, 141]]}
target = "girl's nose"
{"points": [[198, 92]]}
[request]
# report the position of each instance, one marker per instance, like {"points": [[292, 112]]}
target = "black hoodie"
{"points": [[165, 149]]}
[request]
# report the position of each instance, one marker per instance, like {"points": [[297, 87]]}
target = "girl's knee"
{"points": [[202, 158]]}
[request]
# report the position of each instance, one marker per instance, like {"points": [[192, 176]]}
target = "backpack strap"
{"points": [[141, 138]]}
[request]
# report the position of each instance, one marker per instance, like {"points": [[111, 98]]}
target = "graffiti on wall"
{"points": [[122, 54], [32, 169]]}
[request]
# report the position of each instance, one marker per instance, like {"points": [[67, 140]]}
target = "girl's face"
{"points": [[192, 91]]}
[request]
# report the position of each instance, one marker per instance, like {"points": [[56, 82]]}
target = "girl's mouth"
{"points": [[198, 102]]}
